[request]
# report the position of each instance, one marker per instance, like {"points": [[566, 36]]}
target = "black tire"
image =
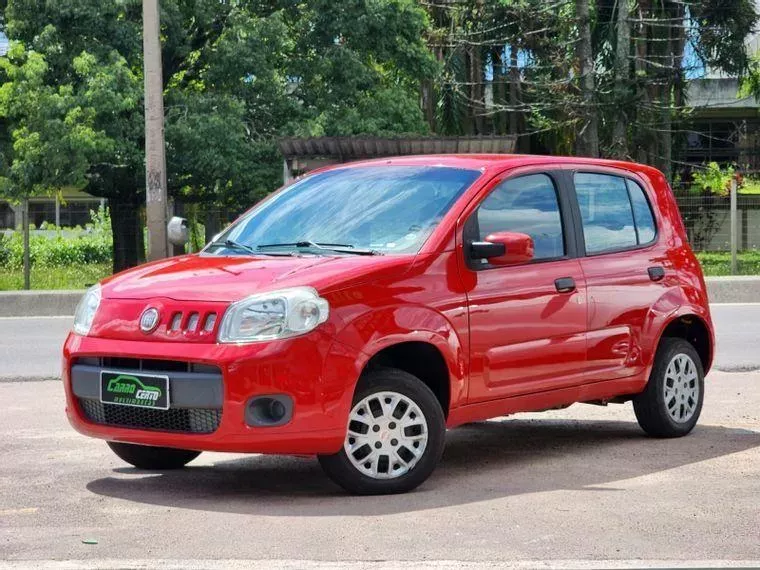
{"points": [[339, 467], [153, 458], [650, 406]]}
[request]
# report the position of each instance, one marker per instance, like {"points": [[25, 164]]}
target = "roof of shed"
{"points": [[358, 147]]}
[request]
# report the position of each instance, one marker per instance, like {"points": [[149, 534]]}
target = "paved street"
{"points": [[31, 347], [582, 484]]}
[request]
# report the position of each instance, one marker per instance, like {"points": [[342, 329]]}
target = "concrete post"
{"points": [[155, 152], [734, 227], [25, 231]]}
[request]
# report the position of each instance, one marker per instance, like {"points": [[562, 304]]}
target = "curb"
{"points": [[734, 289], [38, 303], [729, 289]]}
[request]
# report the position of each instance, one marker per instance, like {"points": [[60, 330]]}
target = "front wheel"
{"points": [[153, 458], [672, 401], [395, 437]]}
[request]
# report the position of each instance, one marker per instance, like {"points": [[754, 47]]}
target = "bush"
{"points": [[64, 248], [713, 180]]}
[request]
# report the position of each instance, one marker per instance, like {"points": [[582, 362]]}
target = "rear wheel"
{"points": [[672, 401], [153, 458], [395, 436]]}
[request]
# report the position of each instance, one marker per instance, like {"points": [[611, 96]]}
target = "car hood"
{"points": [[201, 277]]}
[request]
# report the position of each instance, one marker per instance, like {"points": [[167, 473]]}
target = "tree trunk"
{"points": [[211, 223], [587, 143], [642, 136], [666, 122], [428, 102], [678, 44], [499, 91], [476, 89], [469, 122], [128, 243], [515, 96], [622, 67]]}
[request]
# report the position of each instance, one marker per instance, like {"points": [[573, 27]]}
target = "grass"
{"points": [[719, 262], [77, 277]]}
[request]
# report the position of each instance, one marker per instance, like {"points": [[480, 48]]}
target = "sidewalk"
{"points": [[733, 289]]}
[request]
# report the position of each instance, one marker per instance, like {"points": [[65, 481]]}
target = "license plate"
{"points": [[136, 390]]}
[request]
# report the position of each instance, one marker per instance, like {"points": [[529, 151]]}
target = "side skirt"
{"points": [[606, 390]]}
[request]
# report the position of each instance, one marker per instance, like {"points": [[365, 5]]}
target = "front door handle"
{"points": [[565, 285], [656, 273]]}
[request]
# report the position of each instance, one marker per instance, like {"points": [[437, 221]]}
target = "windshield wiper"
{"points": [[339, 247], [232, 244]]}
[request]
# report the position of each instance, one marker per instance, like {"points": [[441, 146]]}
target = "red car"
{"points": [[363, 310]]}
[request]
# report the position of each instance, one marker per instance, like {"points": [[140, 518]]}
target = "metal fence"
{"points": [[708, 221]]}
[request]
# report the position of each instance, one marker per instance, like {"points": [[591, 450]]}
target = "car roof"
{"points": [[496, 161]]}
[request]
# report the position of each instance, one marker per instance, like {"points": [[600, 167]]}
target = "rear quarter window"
{"points": [[642, 213]]}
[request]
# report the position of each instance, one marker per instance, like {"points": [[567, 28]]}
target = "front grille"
{"points": [[192, 322], [188, 420]]}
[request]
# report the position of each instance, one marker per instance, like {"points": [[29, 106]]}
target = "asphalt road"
{"points": [[30, 347], [582, 484], [579, 488]]}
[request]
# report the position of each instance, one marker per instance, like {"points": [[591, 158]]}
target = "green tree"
{"points": [[236, 75], [52, 139]]}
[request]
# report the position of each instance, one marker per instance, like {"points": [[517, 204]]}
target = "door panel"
{"points": [[528, 321], [620, 295], [622, 285], [525, 336]]}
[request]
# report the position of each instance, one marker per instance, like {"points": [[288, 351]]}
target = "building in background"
{"points": [[725, 124], [68, 211]]}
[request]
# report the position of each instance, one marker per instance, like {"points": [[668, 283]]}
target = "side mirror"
{"points": [[177, 231], [504, 248]]}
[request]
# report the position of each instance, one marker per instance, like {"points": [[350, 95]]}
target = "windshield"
{"points": [[383, 209]]}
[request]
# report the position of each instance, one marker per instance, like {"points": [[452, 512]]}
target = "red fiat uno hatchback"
{"points": [[359, 312]]}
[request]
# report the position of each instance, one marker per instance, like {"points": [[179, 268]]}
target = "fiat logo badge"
{"points": [[149, 320]]}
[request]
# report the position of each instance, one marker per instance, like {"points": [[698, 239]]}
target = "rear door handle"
{"points": [[656, 273], [565, 284]]}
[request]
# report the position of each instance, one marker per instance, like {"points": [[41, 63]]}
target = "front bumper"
{"points": [[316, 372]]}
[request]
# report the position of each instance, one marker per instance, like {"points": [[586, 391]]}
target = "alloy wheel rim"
{"points": [[387, 435], [681, 393]]}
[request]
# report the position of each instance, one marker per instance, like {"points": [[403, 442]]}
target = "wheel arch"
{"points": [[694, 329], [411, 337], [421, 359]]}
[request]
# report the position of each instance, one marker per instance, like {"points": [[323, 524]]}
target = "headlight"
{"points": [[86, 310], [274, 315]]}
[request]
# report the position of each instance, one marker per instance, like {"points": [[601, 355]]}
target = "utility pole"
{"points": [[155, 151]]}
